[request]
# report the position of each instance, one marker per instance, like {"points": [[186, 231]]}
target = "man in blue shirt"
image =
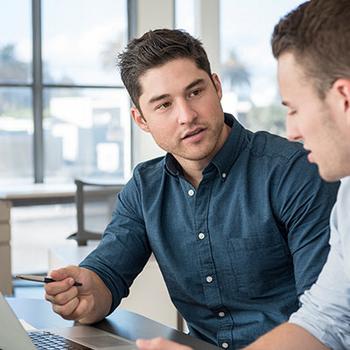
{"points": [[238, 221], [312, 46]]}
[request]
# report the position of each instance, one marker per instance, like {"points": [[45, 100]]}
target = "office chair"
{"points": [[95, 201]]}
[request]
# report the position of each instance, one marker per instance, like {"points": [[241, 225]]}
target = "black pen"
{"points": [[42, 279]]}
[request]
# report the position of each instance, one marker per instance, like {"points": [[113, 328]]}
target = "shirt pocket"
{"points": [[262, 264]]}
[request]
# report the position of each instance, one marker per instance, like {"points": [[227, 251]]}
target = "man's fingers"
{"points": [[69, 301], [159, 344], [54, 288], [65, 272], [66, 310], [63, 297], [83, 309], [64, 277]]}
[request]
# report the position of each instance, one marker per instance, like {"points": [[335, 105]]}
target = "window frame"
{"points": [[38, 86]]}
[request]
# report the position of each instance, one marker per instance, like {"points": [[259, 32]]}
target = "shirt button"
{"points": [[224, 345], [209, 279], [190, 193], [223, 175], [221, 314], [201, 235]]}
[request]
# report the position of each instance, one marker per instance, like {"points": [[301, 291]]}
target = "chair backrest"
{"points": [[95, 201]]}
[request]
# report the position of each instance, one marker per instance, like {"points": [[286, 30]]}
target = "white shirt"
{"points": [[325, 308]]}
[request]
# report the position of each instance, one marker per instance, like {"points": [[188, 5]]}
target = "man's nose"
{"points": [[186, 112], [293, 133]]}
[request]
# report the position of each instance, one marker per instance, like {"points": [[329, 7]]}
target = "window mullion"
{"points": [[37, 88]]}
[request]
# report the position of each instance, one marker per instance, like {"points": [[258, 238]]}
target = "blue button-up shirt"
{"points": [[237, 251]]}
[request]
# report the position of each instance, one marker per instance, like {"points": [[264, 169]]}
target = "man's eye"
{"points": [[163, 106], [195, 92], [292, 112]]}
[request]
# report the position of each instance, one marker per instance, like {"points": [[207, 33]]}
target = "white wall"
{"points": [[151, 14], [207, 27]]}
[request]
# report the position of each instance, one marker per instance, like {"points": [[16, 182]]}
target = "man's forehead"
{"points": [[291, 73], [172, 77], [292, 66], [171, 68], [286, 62]]}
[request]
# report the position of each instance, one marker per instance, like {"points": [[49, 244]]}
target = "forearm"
{"points": [[287, 337], [101, 301]]}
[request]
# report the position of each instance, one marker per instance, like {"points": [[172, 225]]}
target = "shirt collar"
{"points": [[172, 166], [236, 141], [226, 156]]}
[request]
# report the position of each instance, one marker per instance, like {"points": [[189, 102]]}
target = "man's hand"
{"points": [[87, 304], [159, 344], [287, 336]]}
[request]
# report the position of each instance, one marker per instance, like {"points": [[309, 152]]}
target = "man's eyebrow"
{"points": [[194, 83], [164, 96], [285, 103], [158, 98]]}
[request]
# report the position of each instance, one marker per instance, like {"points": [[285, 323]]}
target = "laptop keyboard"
{"points": [[50, 341]]}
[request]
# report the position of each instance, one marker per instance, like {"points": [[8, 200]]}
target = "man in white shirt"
{"points": [[312, 46]]}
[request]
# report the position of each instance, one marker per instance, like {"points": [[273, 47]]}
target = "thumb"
{"points": [[65, 272]]}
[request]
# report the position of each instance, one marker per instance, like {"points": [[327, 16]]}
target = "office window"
{"points": [[16, 117], [15, 41], [248, 69], [84, 132], [80, 41], [63, 108]]}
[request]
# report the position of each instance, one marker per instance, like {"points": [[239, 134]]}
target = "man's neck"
{"points": [[193, 171]]}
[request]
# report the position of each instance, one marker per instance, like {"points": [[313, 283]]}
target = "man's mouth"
{"points": [[192, 133], [309, 156]]}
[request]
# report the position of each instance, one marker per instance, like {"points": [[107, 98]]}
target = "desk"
{"points": [[25, 195], [124, 323]]}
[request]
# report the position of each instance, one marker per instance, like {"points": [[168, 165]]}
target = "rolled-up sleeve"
{"points": [[325, 308]]}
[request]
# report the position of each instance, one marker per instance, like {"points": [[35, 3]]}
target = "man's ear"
{"points": [[139, 119], [342, 90], [217, 83]]}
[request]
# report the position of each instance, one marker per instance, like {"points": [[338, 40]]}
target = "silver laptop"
{"points": [[14, 337]]}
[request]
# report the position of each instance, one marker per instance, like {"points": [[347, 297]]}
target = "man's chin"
{"points": [[329, 176]]}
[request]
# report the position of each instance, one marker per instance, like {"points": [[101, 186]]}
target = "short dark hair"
{"points": [[153, 49], [317, 33]]}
